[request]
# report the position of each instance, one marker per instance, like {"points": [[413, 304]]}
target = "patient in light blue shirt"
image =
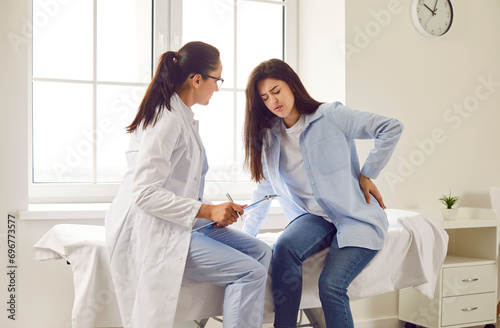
{"points": [[305, 151]]}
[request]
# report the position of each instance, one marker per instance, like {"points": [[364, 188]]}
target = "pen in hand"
{"points": [[213, 224], [231, 200]]}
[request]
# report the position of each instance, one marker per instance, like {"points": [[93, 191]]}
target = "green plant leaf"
{"points": [[449, 200]]}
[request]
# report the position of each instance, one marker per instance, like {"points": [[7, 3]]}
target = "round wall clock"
{"points": [[432, 18]]}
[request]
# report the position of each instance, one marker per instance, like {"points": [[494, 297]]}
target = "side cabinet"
{"points": [[466, 290]]}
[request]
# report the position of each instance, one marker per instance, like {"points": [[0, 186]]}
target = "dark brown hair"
{"points": [[173, 69], [258, 118]]}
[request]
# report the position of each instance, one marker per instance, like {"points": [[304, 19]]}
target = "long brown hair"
{"points": [[258, 118], [173, 69]]}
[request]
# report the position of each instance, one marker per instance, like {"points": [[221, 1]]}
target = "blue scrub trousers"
{"points": [[304, 236], [233, 259]]}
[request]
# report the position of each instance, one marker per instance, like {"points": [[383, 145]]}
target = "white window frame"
{"points": [[167, 35]]}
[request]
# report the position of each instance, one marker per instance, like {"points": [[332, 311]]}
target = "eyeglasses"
{"points": [[218, 80]]}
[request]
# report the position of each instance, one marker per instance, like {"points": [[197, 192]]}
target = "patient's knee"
{"points": [[330, 287], [284, 248]]}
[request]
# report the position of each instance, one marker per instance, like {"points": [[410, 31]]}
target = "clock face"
{"points": [[432, 17]]}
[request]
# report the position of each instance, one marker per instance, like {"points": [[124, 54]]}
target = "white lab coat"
{"points": [[148, 226]]}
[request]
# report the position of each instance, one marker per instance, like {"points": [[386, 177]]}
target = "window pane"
{"points": [[212, 22], [116, 108], [124, 40], [217, 133], [62, 40], [62, 132], [258, 42], [241, 174]]}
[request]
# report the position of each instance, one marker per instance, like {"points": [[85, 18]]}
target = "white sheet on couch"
{"points": [[413, 255]]}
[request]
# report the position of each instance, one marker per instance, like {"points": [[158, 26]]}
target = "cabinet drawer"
{"points": [[469, 280], [468, 309]]}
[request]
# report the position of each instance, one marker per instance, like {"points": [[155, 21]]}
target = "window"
{"points": [[92, 64]]}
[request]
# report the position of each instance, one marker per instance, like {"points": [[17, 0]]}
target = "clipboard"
{"points": [[265, 199]]}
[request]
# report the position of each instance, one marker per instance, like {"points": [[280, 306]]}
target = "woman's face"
{"points": [[279, 99], [208, 86]]}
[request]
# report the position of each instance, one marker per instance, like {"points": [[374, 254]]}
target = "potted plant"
{"points": [[449, 213]]}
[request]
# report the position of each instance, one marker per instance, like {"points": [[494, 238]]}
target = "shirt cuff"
{"points": [[370, 172]]}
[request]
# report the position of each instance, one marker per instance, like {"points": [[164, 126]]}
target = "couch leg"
{"points": [[202, 323], [315, 317]]}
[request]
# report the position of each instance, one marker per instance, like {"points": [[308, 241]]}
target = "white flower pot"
{"points": [[449, 213]]}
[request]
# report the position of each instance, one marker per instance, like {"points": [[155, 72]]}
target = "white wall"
{"points": [[436, 87], [13, 161], [321, 59], [392, 70], [44, 290]]}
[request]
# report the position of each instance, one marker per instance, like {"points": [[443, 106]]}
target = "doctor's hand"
{"points": [[368, 188], [222, 214]]}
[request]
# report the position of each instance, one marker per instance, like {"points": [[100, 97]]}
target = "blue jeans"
{"points": [[304, 236], [239, 262]]}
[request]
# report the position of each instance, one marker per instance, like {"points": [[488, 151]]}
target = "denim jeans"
{"points": [[239, 262], [304, 236]]}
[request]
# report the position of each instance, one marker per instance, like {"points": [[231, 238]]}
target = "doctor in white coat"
{"points": [[149, 224]]}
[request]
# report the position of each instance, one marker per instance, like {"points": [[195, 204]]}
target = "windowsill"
{"points": [[86, 211], [70, 211]]}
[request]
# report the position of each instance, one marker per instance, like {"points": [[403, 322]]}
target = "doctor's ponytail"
{"points": [[174, 67]]}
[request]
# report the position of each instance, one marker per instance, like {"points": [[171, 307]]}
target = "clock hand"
{"points": [[428, 20], [435, 6], [433, 13]]}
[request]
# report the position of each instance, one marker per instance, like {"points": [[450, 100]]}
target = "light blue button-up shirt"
{"points": [[332, 167]]}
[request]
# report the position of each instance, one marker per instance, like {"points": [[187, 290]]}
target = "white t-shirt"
{"points": [[292, 167]]}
